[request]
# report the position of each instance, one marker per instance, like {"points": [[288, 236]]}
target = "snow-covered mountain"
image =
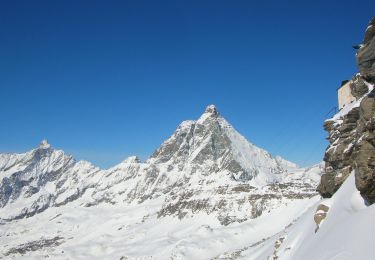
{"points": [[206, 193], [205, 182]]}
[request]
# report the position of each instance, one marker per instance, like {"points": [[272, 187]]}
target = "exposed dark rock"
{"points": [[370, 32], [358, 86], [35, 245], [366, 54], [352, 137], [365, 170]]}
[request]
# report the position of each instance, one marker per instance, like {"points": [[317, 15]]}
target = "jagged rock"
{"points": [[370, 31], [367, 109], [366, 54], [327, 186], [211, 145], [345, 150], [351, 148], [358, 86], [338, 154], [364, 170], [351, 134], [320, 215]]}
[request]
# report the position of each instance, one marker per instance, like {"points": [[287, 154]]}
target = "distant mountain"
{"points": [[205, 172]]}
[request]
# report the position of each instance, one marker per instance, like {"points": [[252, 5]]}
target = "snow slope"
{"points": [[205, 183], [345, 233]]}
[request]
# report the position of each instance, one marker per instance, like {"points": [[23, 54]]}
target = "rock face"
{"points": [[366, 54], [40, 178], [338, 156], [211, 145], [351, 131]]}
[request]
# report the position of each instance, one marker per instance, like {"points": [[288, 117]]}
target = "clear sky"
{"points": [[104, 80]]}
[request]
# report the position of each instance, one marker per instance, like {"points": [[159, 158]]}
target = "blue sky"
{"points": [[104, 80]]}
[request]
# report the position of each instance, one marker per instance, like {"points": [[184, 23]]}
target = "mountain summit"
{"points": [[211, 109], [44, 144], [211, 145]]}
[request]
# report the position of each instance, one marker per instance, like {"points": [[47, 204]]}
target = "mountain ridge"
{"points": [[205, 170]]}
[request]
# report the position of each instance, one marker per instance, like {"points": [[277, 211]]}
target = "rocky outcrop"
{"points": [[351, 131], [338, 156], [358, 86], [366, 54], [320, 215], [364, 154]]}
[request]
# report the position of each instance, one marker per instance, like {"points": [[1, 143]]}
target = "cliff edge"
{"points": [[351, 131]]}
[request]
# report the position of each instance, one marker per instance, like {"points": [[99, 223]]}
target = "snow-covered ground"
{"points": [[346, 232], [134, 231], [206, 192]]}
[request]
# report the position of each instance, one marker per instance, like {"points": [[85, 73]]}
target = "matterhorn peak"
{"points": [[210, 112], [211, 109], [44, 144]]}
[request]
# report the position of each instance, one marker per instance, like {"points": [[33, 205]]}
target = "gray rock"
{"points": [[352, 139], [366, 54], [365, 170], [370, 32], [320, 215], [358, 86]]}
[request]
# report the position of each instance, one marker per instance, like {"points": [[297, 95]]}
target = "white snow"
{"points": [[346, 233], [110, 232], [182, 203]]}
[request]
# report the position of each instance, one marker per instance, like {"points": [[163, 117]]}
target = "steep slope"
{"points": [[211, 144], [347, 217]]}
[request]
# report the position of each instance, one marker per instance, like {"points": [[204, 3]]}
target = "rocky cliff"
{"points": [[351, 131]]}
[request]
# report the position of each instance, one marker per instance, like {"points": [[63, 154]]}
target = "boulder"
{"points": [[320, 215]]}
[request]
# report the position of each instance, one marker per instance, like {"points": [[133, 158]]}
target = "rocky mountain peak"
{"points": [[210, 145], [211, 112], [211, 109], [366, 54], [44, 144]]}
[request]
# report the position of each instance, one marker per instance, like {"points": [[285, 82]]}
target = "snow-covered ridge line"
{"points": [[206, 179]]}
